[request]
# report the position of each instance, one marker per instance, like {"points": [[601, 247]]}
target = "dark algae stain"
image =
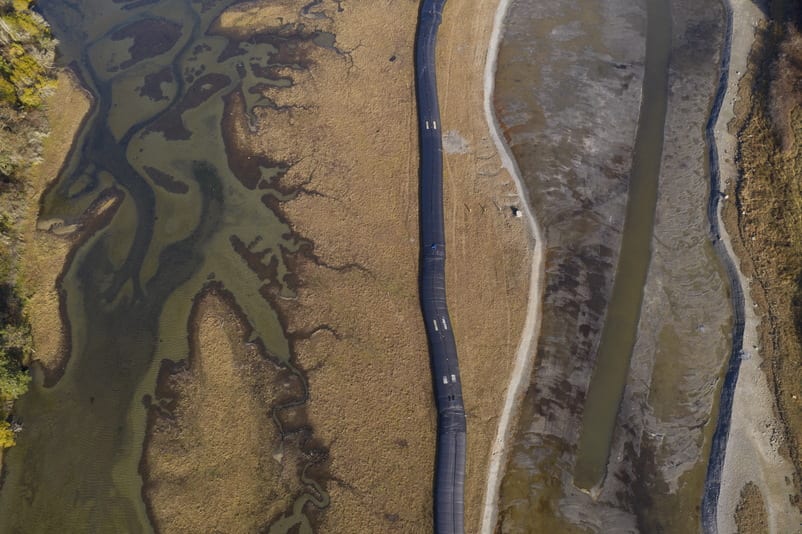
{"points": [[165, 181], [152, 88], [157, 186]]}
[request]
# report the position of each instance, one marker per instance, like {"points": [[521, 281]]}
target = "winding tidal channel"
{"points": [[190, 209]]}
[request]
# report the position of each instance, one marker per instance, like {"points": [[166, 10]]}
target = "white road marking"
{"points": [[435, 124], [445, 380], [444, 323], [454, 378], [435, 325], [427, 125]]}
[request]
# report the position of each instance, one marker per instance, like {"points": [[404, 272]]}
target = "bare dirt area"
{"points": [[349, 128], [216, 461], [45, 253]]}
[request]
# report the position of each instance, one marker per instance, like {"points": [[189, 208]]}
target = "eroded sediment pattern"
{"points": [[573, 134]]}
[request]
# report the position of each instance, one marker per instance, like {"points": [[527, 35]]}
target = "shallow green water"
{"points": [[160, 79]]}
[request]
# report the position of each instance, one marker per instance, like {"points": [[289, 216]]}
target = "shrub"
{"points": [[6, 435], [14, 379]]}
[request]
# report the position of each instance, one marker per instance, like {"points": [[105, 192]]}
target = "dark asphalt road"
{"points": [[449, 480]]}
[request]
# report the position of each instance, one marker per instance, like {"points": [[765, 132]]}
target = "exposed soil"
{"points": [[750, 516]]}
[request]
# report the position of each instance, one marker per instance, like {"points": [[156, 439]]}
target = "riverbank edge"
{"points": [[751, 454], [723, 247], [525, 355], [744, 398]]}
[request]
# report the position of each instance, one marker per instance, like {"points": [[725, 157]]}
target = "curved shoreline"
{"points": [[723, 248], [524, 358]]}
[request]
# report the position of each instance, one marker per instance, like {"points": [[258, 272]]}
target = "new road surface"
{"points": [[449, 479]]}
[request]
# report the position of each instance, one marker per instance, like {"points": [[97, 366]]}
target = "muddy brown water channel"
{"points": [[636, 320], [191, 208]]}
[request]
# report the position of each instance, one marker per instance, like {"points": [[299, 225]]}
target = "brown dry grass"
{"points": [[215, 460], [350, 126], [785, 92], [45, 253], [490, 252], [766, 219]]}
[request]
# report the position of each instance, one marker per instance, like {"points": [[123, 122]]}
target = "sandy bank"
{"points": [[355, 317], [753, 449]]}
